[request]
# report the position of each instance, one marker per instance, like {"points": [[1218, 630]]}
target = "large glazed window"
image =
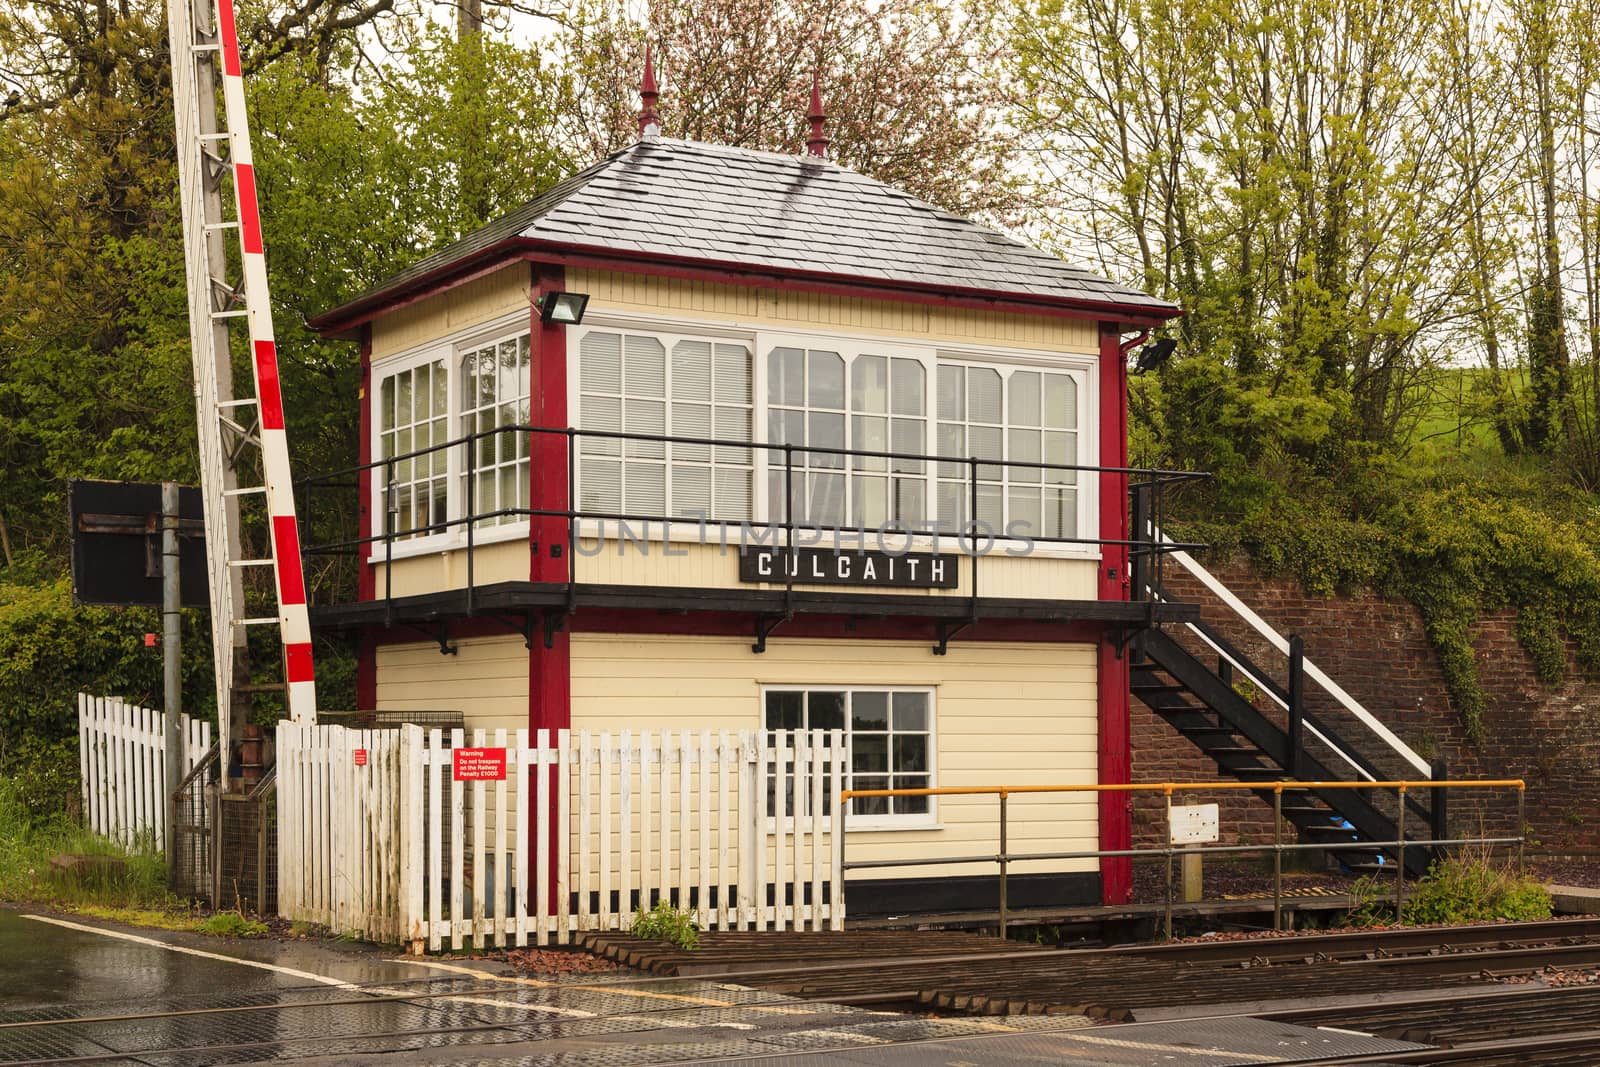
{"points": [[414, 415], [890, 734], [862, 401], [660, 385], [494, 394], [1029, 417]]}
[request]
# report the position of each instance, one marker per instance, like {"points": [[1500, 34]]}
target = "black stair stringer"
{"points": [[1239, 715]]}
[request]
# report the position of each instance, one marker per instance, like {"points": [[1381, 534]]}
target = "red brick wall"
{"points": [[1377, 650]]}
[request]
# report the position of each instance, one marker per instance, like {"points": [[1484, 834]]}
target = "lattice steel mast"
{"points": [[244, 454]]}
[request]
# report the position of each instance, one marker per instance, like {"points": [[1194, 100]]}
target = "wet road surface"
{"points": [[81, 992]]}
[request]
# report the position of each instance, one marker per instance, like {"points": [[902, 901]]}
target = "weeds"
{"points": [[232, 924], [666, 923], [115, 878], [1468, 887]]}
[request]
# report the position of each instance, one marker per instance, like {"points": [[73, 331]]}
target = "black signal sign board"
{"points": [[116, 544]]}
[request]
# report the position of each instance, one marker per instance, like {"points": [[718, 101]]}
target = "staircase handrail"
{"points": [[1312, 671]]}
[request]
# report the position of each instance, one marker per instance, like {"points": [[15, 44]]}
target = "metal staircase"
{"points": [[1218, 706], [244, 453]]}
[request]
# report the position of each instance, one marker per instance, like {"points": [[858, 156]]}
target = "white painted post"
{"points": [[435, 905], [502, 880], [814, 824], [664, 824], [685, 815], [458, 841], [480, 835], [802, 788], [625, 831], [725, 915], [749, 753], [703, 815], [413, 846], [585, 868], [563, 826], [780, 825], [605, 831], [647, 758], [524, 783], [541, 856], [837, 783]]}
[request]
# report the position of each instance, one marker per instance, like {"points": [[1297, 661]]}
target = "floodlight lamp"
{"points": [[564, 309], [1154, 354]]}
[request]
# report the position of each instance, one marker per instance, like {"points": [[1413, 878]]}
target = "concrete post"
{"points": [[171, 662]]}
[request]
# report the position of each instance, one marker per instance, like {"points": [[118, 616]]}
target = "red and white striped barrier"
{"points": [[294, 622]]}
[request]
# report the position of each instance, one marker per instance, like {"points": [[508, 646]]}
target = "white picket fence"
{"points": [[122, 758], [379, 835]]}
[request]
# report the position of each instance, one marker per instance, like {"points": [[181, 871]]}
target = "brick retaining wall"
{"points": [[1376, 649]]}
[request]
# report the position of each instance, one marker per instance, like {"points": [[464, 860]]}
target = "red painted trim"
{"points": [[286, 546], [297, 663], [549, 669], [1112, 695], [548, 469], [367, 587], [230, 37], [244, 185], [366, 580], [834, 627], [268, 388], [342, 319]]}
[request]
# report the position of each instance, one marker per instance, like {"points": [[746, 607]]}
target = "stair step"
{"points": [[1218, 751], [1194, 733], [1371, 868], [1157, 687], [1295, 812], [1344, 833], [1268, 774]]}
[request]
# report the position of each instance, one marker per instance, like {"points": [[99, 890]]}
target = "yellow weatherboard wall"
{"points": [[488, 298], [476, 302], [780, 308], [1006, 714]]}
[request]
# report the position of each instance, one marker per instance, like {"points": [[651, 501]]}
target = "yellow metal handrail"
{"points": [[1176, 787], [1166, 790]]}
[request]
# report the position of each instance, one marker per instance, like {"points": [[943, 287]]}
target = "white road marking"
{"points": [[308, 975], [153, 943]]}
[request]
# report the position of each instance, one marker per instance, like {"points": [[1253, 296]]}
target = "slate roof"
{"points": [[790, 214]]}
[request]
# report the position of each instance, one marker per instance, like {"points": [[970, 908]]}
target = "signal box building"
{"points": [[772, 348]]}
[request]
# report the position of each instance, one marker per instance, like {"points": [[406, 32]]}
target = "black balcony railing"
{"points": [[334, 532]]}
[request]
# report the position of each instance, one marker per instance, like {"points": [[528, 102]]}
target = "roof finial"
{"points": [[817, 143], [649, 121]]}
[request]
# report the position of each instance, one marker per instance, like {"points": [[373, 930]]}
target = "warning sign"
{"points": [[361, 757], [479, 764]]}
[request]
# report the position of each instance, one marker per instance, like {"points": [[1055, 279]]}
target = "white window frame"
{"points": [[849, 348], [1084, 371], [669, 332], [928, 820], [450, 349], [459, 351]]}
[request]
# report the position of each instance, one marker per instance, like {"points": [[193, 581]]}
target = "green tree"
{"points": [[912, 89]]}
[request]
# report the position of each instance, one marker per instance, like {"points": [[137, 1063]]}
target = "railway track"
{"points": [[962, 973]]}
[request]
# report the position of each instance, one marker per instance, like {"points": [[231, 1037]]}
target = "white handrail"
{"points": [[1278, 641]]}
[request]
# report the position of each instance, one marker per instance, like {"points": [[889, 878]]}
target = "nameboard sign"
{"points": [[827, 566], [478, 764]]}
